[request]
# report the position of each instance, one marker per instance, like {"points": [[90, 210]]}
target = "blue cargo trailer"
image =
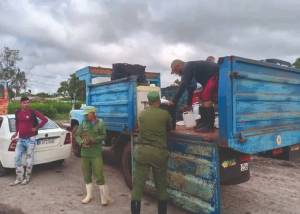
{"points": [[259, 110]]}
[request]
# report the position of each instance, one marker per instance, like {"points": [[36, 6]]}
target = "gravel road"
{"points": [[57, 189]]}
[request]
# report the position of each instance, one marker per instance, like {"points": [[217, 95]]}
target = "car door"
{"points": [[50, 136]]}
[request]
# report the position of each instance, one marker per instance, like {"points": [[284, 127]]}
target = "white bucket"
{"points": [[189, 119]]}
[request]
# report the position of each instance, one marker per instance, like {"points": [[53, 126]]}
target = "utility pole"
{"points": [[73, 100]]}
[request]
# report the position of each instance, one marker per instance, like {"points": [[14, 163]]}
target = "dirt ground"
{"points": [[273, 188]]}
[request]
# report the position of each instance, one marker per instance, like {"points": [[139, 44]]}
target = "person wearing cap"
{"points": [[151, 152], [27, 125], [206, 73], [210, 59], [89, 135]]}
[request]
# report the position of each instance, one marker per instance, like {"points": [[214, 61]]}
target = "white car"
{"points": [[53, 143]]}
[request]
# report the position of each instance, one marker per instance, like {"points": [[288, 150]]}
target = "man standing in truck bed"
{"points": [[205, 73], [151, 152]]}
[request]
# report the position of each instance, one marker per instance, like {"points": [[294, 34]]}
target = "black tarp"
{"points": [[122, 70]]}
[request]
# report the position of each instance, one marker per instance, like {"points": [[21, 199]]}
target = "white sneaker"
{"points": [[16, 182], [25, 181]]}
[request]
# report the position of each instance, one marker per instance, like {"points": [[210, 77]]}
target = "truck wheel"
{"points": [[3, 171], [126, 165], [75, 146]]}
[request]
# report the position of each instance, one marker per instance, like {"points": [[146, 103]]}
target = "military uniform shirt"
{"points": [[154, 124], [96, 132]]}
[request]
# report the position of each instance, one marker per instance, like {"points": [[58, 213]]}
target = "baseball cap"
{"points": [[153, 96], [174, 63], [88, 109]]}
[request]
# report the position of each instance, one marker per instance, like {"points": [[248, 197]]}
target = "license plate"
{"points": [[244, 167], [45, 141]]}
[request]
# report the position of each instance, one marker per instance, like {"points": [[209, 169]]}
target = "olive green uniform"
{"points": [[91, 155], [151, 151]]}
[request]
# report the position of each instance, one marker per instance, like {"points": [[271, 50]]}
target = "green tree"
{"points": [[72, 86], [297, 63], [63, 89], [43, 95], [10, 72]]}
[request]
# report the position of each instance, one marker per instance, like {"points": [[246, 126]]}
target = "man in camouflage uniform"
{"points": [[89, 136], [151, 152]]}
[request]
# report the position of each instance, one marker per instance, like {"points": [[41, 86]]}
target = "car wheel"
{"points": [[75, 147], [59, 162], [3, 171], [126, 165]]}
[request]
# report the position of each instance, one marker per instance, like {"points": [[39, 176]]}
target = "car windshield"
{"points": [[49, 125]]}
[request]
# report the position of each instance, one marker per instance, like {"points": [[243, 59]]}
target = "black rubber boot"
{"points": [[209, 119], [162, 207], [211, 116], [202, 121], [135, 207]]}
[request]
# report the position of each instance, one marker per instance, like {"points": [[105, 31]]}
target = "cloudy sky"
{"points": [[57, 37]]}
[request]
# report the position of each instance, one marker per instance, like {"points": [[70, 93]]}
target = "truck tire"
{"points": [[3, 171], [75, 147], [127, 165]]}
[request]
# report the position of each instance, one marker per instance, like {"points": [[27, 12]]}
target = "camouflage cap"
{"points": [[153, 96], [88, 109]]}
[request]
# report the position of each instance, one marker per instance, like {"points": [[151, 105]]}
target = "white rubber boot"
{"points": [[88, 197], [104, 195]]}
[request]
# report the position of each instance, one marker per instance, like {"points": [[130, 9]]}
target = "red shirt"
{"points": [[25, 121]]}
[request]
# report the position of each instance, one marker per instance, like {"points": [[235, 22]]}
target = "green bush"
{"points": [[52, 109], [62, 107], [12, 107], [45, 108]]}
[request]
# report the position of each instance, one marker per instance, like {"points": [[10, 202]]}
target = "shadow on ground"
{"points": [[6, 209]]}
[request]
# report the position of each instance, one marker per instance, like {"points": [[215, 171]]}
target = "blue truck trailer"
{"points": [[259, 110]]}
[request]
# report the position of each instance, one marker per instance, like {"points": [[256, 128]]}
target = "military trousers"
{"points": [[90, 167], [148, 157]]}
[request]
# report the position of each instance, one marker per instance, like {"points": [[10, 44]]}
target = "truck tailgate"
{"points": [[259, 105], [193, 171]]}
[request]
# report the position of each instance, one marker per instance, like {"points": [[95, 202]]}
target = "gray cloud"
{"points": [[58, 37]]}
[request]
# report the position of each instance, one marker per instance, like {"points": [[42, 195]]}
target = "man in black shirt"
{"points": [[205, 73]]}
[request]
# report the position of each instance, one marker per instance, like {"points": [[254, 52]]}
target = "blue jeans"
{"points": [[24, 146]]}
